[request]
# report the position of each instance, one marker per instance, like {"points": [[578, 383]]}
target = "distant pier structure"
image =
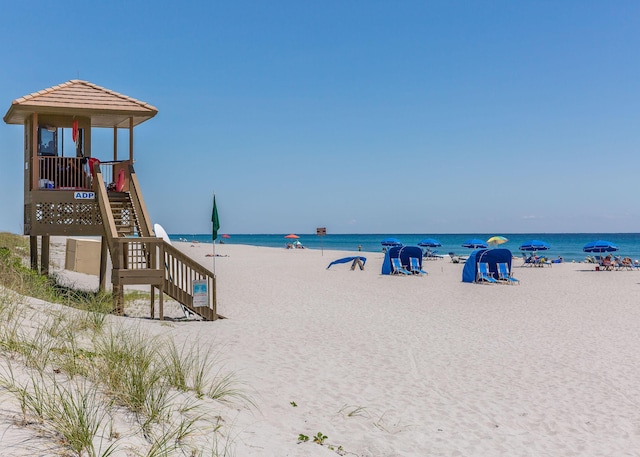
{"points": [[74, 190]]}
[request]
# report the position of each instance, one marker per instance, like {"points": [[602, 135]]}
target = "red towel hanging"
{"points": [[74, 131]]}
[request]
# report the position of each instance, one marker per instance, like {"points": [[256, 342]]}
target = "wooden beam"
{"points": [[131, 139], [138, 203], [45, 241], [103, 264], [153, 302], [118, 300], [34, 153], [33, 252], [143, 276], [115, 143]]}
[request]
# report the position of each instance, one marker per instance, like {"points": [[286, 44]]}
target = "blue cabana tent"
{"points": [[490, 256], [403, 252]]}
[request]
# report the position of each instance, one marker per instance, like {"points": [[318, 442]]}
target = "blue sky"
{"points": [[361, 116]]}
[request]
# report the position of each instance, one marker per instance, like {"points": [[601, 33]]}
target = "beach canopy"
{"points": [[292, 236], [349, 259], [534, 245], [402, 252], [474, 243], [429, 243], [491, 256], [600, 246], [391, 242]]}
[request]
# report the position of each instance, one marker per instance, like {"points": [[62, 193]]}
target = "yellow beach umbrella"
{"points": [[496, 240]]}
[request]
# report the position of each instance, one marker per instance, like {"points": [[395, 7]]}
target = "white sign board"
{"points": [[84, 195], [200, 293]]}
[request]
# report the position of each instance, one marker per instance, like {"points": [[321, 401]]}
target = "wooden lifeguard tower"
{"points": [[87, 193]]}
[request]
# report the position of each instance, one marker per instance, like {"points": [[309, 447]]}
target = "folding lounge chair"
{"points": [[414, 266], [504, 275], [626, 264], [484, 275], [606, 264], [398, 268], [528, 260], [542, 262]]}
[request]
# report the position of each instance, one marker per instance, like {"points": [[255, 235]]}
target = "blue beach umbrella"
{"points": [[600, 246], [474, 243], [429, 243], [391, 242], [534, 245]]}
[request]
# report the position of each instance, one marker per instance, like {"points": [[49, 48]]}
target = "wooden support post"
{"points": [[115, 143], [103, 265], [131, 140], [33, 252], [35, 164], [45, 242], [161, 305], [118, 299], [153, 302]]}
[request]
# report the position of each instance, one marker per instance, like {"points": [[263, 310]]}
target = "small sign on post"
{"points": [[321, 231], [200, 293]]}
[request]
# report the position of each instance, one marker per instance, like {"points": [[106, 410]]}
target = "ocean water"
{"points": [[566, 245]]}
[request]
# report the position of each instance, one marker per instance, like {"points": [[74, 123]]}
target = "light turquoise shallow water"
{"points": [[567, 245]]}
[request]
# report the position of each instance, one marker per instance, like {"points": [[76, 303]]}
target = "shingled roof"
{"points": [[105, 107]]}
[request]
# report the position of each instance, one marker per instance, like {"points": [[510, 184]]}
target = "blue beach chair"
{"points": [[398, 268], [414, 266], [484, 275], [504, 275]]}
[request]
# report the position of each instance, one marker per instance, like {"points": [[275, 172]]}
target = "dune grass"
{"points": [[17, 276], [77, 365], [77, 372]]}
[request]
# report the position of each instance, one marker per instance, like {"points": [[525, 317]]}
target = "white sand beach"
{"points": [[409, 366]]}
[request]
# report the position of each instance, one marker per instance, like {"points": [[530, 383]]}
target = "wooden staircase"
{"points": [[124, 215], [139, 257]]}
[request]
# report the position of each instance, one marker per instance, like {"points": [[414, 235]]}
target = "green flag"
{"points": [[214, 219]]}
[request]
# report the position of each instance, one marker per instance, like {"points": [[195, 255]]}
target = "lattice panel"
{"points": [[68, 213], [125, 216], [137, 256]]}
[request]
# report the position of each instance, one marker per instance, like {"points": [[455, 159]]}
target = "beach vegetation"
{"points": [[352, 411], [129, 369], [319, 438], [17, 276], [228, 388], [72, 413], [71, 371], [187, 368]]}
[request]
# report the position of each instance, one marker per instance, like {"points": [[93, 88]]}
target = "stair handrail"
{"points": [[180, 272], [144, 221], [150, 246], [108, 222]]}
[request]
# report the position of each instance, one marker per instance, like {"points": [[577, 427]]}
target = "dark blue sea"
{"points": [[566, 245]]}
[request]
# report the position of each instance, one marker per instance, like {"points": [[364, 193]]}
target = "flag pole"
{"points": [[214, 233]]}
